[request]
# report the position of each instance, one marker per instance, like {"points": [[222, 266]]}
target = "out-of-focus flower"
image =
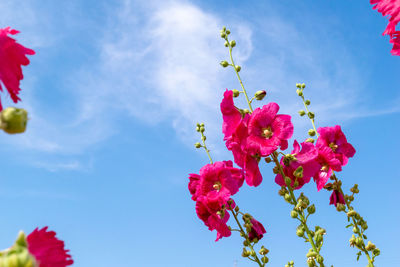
{"points": [[390, 8], [12, 57], [39, 249]]}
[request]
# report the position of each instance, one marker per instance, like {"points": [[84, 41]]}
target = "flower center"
{"points": [[267, 132], [217, 186], [333, 146], [325, 168]]}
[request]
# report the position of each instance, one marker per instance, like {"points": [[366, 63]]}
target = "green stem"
{"points": [[301, 214], [205, 148], [237, 74], [308, 111], [256, 259]]}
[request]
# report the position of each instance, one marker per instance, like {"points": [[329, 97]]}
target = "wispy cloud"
{"points": [[158, 62]]}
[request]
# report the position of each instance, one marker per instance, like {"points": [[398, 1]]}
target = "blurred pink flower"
{"points": [[336, 197], [257, 230], [47, 249], [12, 56], [390, 8]]}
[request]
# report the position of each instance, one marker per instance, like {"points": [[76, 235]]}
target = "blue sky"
{"points": [[114, 93]]}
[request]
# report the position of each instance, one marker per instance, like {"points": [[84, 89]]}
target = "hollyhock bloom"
{"points": [[328, 163], [390, 8], [220, 177], [268, 130], [12, 56], [334, 138], [306, 158], [230, 115], [336, 197], [257, 230], [211, 210], [47, 249]]}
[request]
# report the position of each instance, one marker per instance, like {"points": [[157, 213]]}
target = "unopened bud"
{"points": [[224, 63], [268, 159], [310, 140], [226, 44], [300, 232], [311, 209], [237, 208], [245, 111], [307, 102], [298, 172], [311, 132], [223, 35], [263, 251], [370, 246], [197, 145], [340, 207], [303, 85], [320, 259], [236, 93], [287, 197], [312, 254], [302, 112], [233, 43], [238, 68], [298, 85], [352, 241], [228, 32], [259, 95], [293, 214], [376, 252], [13, 120], [351, 213], [288, 181], [265, 259], [359, 242], [311, 115], [299, 92]]}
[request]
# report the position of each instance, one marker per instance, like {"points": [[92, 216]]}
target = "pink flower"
{"points": [[12, 56], [328, 163], [390, 8], [334, 138], [211, 209], [336, 197], [47, 249], [230, 115], [305, 158], [268, 130], [220, 177], [257, 230]]}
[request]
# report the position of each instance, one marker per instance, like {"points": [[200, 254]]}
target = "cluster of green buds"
{"points": [[313, 258], [290, 264], [200, 129], [13, 120], [18, 255], [310, 115], [224, 33]]}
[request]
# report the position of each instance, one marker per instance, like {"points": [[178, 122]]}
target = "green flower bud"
{"points": [[224, 63], [351, 213], [352, 241], [320, 259], [197, 145], [223, 35], [318, 238], [288, 181], [299, 92], [228, 32], [263, 251], [238, 68], [298, 172], [237, 208], [287, 197], [376, 252], [307, 102], [246, 243], [354, 189], [223, 29], [310, 140], [311, 209], [370, 246], [246, 111], [259, 95], [340, 207], [233, 43], [294, 214], [302, 113], [311, 254], [265, 259], [355, 230], [13, 120], [253, 253], [298, 85], [311, 132], [202, 124], [311, 115], [226, 44], [268, 159], [364, 225], [235, 92], [245, 253], [202, 129], [359, 242], [303, 85], [300, 232]]}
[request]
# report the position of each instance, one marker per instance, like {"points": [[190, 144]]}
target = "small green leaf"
{"points": [[365, 237], [349, 225]]}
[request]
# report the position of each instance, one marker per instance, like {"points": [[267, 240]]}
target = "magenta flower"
{"points": [[220, 177], [12, 56], [390, 8], [230, 115], [268, 130], [334, 138], [211, 210], [328, 163], [257, 230], [47, 249], [305, 158], [336, 197]]}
